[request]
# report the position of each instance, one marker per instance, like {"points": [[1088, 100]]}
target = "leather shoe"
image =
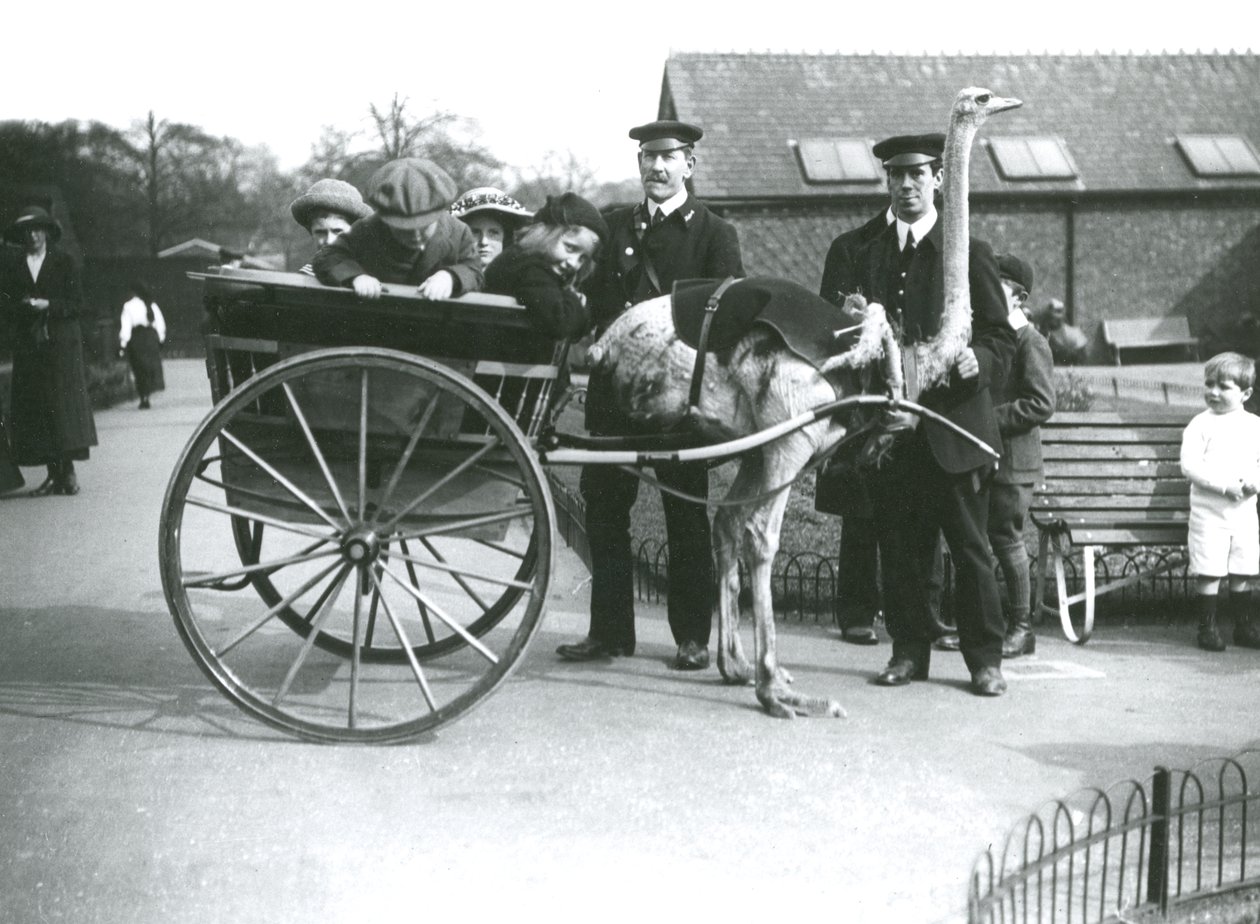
{"points": [[68, 485], [47, 486], [988, 681], [592, 649], [947, 642], [692, 656], [859, 635], [900, 671]]}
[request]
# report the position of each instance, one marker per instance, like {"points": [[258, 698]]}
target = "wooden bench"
{"points": [[1148, 333], [1112, 479]]}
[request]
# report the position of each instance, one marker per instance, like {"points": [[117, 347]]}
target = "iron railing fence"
{"points": [[1137, 851]]}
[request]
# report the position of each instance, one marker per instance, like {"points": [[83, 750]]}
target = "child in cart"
{"points": [[1220, 454], [412, 238]]}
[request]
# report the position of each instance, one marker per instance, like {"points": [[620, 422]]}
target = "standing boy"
{"points": [[1220, 454]]}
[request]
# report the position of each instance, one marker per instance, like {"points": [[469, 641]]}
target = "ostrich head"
{"points": [[975, 104]]}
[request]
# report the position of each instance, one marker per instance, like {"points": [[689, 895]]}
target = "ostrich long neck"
{"points": [[936, 356]]}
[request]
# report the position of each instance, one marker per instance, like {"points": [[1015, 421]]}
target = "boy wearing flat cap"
{"points": [[411, 239], [668, 236], [933, 482]]}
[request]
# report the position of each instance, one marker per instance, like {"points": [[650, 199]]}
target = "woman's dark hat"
{"points": [[410, 193], [329, 195], [1013, 268], [32, 217], [571, 210], [910, 150], [487, 199]]}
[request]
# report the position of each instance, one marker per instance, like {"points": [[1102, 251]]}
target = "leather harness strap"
{"points": [[702, 343]]}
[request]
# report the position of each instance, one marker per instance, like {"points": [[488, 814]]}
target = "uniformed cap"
{"points": [[909, 150], [1016, 270], [666, 135], [410, 192]]}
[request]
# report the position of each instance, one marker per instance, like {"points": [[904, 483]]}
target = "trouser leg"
{"points": [[689, 535], [857, 584], [609, 494], [964, 521]]}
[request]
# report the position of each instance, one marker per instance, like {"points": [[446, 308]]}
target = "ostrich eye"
{"points": [[983, 98]]}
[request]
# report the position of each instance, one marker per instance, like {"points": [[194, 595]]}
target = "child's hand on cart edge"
{"points": [[438, 286], [366, 286]]}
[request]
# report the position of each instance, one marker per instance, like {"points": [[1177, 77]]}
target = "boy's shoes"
{"points": [[988, 681], [1246, 635], [1210, 638], [859, 635], [947, 642], [592, 649], [692, 656]]}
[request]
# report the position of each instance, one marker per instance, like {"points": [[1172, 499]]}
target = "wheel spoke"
{"points": [[499, 475], [451, 623], [266, 566], [284, 482], [454, 525], [415, 582], [405, 643], [455, 571], [500, 547], [319, 456], [260, 518], [363, 426], [416, 433], [324, 607], [271, 613], [352, 716], [440, 483]]}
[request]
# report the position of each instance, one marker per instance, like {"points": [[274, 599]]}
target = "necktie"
{"points": [[657, 217], [908, 250]]}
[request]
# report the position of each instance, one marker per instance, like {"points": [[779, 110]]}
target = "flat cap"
{"points": [[909, 150], [329, 195], [410, 192], [666, 135], [1013, 268]]}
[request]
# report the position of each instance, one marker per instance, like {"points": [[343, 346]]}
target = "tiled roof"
{"points": [[1119, 114]]}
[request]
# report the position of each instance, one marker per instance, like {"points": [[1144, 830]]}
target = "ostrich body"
{"points": [[759, 383]]}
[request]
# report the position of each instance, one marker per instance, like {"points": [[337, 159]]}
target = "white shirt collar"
{"points": [[35, 262], [670, 205], [1018, 320], [920, 227]]}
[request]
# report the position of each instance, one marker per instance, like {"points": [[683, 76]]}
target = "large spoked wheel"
{"points": [[356, 545]]}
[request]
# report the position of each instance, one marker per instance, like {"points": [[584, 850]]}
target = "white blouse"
{"points": [[135, 314]]}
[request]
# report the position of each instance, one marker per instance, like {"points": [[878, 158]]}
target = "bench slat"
{"points": [[1118, 537], [1123, 433], [1055, 452], [1101, 468]]}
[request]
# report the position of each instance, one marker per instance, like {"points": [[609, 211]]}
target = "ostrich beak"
{"points": [[1003, 103]]}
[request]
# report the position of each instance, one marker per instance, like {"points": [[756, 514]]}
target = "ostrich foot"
{"points": [[788, 704], [735, 669], [784, 676]]}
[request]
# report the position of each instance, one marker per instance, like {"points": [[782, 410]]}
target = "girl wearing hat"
{"points": [[493, 217], [551, 259], [141, 333], [40, 300], [326, 211]]}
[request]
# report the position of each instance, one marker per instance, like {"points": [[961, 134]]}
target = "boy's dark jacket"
{"points": [[369, 248]]}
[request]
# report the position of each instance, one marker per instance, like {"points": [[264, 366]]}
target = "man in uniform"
{"points": [[934, 482], [669, 236]]}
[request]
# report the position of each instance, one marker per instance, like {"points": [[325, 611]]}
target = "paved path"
{"points": [[134, 793]]}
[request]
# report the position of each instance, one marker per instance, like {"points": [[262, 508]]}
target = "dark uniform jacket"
{"points": [[51, 410], [841, 269], [1025, 400], [369, 248], [917, 313], [690, 243]]}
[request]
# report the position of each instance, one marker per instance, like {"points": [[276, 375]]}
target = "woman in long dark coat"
{"points": [[40, 301]]}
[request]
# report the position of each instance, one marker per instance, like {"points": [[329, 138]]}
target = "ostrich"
{"points": [[758, 383]]}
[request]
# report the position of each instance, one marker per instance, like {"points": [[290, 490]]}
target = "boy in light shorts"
{"points": [[1220, 454]]}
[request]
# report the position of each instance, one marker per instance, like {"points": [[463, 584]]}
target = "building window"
{"points": [[837, 160], [1219, 155], [1031, 158]]}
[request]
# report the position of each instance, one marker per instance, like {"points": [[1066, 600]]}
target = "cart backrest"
{"points": [[256, 318]]}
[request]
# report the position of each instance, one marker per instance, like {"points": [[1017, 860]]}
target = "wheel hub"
{"points": [[360, 546]]}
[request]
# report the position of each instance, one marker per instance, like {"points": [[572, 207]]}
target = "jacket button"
{"points": [[629, 251]]}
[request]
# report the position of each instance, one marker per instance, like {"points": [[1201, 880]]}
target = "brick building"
{"points": [[1130, 182]]}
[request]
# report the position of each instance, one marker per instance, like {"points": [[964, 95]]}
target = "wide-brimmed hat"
{"points": [[32, 217], [410, 192], [487, 199], [329, 195]]}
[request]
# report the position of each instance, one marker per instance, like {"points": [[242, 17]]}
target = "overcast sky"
{"points": [[537, 76]]}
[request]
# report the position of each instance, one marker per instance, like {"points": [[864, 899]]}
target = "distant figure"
{"points": [[493, 216], [142, 332], [230, 259], [1220, 455], [40, 300], [412, 239], [326, 211], [1068, 343]]}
